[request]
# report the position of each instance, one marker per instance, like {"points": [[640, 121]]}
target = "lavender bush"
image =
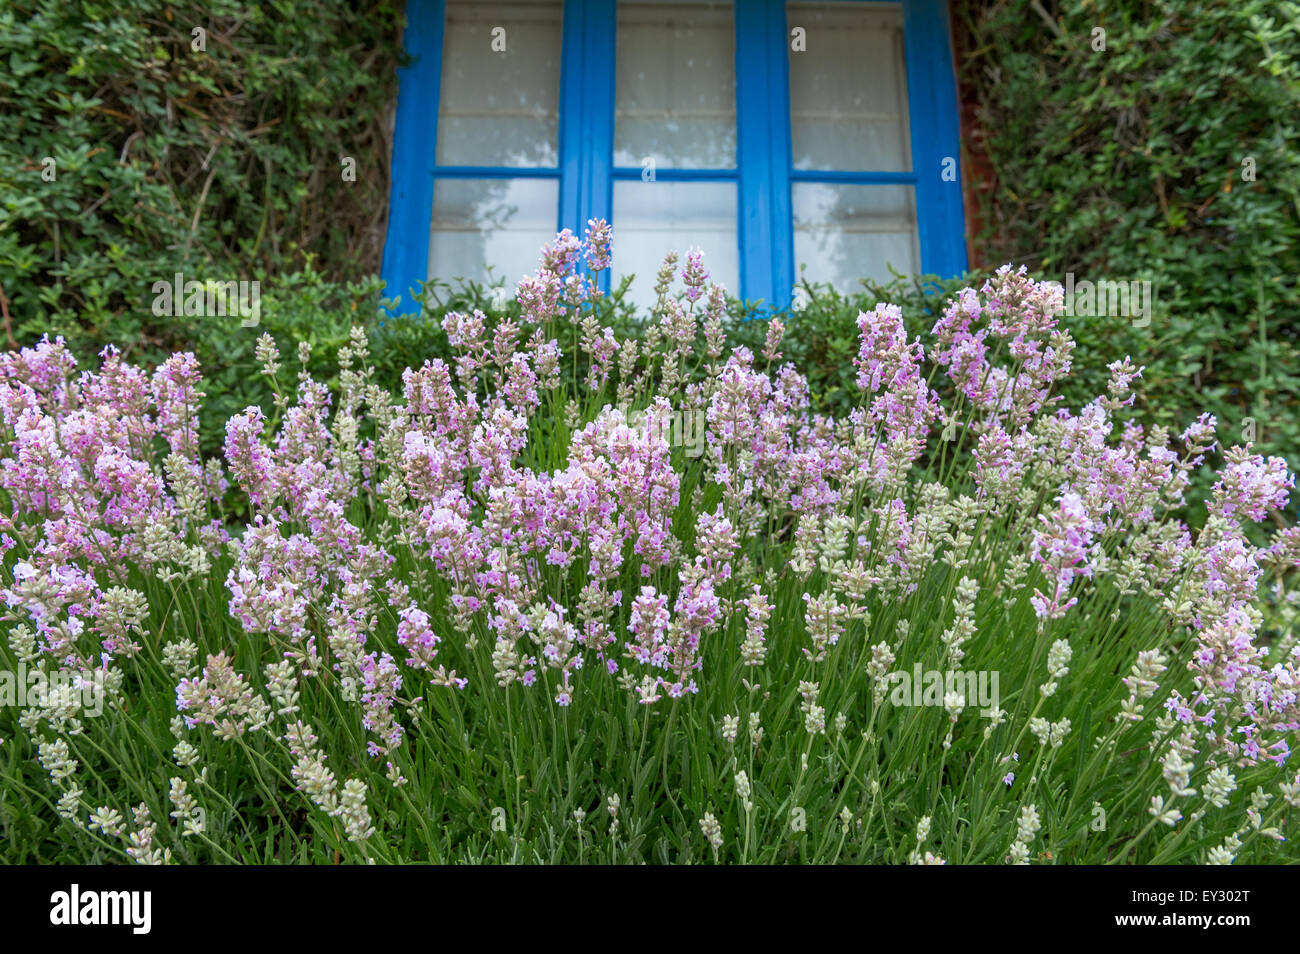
{"points": [[519, 613]]}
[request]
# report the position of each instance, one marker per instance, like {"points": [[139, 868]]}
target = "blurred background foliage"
{"points": [[1122, 164]]}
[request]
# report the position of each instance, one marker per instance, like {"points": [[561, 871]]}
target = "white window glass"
{"points": [[652, 217], [490, 223], [675, 100], [846, 232], [848, 89], [500, 107]]}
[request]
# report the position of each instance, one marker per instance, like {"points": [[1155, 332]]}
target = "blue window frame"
{"points": [[766, 178]]}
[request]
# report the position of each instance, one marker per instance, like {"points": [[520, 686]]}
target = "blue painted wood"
{"points": [[410, 199], [763, 151], [587, 114], [587, 111], [600, 75], [932, 104], [781, 160], [572, 138]]}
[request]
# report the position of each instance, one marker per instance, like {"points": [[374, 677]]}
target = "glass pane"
{"points": [[652, 217], [846, 232], [500, 107], [676, 93], [502, 223], [848, 88]]}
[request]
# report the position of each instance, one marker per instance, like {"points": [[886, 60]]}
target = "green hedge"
{"points": [[223, 163], [1130, 163]]}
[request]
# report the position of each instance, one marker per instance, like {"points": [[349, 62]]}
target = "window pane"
{"points": [[500, 108], [848, 89], [846, 232], [502, 223], [676, 93], [652, 217]]}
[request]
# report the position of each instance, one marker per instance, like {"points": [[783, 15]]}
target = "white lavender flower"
{"points": [[882, 660], [963, 624], [1141, 682], [1166, 816], [185, 809], [1290, 791], [56, 760], [352, 809], [712, 831], [282, 684], [1178, 774], [730, 726], [814, 715], [1226, 853], [1027, 826], [107, 820], [1058, 665], [954, 702], [612, 806], [743, 790], [140, 842], [69, 806], [185, 754]]}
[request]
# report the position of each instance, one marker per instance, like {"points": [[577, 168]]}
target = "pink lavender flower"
{"points": [[598, 237], [415, 635], [694, 275], [222, 699], [1251, 485], [889, 368], [648, 624], [562, 254], [1063, 549]]}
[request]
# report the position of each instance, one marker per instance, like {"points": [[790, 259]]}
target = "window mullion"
{"points": [[587, 111], [932, 98], [572, 63], [763, 139], [601, 73], [410, 201]]}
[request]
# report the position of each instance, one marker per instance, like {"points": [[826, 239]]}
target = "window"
{"points": [[674, 140], [848, 95], [498, 118], [849, 119], [780, 137], [676, 92]]}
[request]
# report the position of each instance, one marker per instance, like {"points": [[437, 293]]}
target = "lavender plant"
{"points": [[512, 614]]}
